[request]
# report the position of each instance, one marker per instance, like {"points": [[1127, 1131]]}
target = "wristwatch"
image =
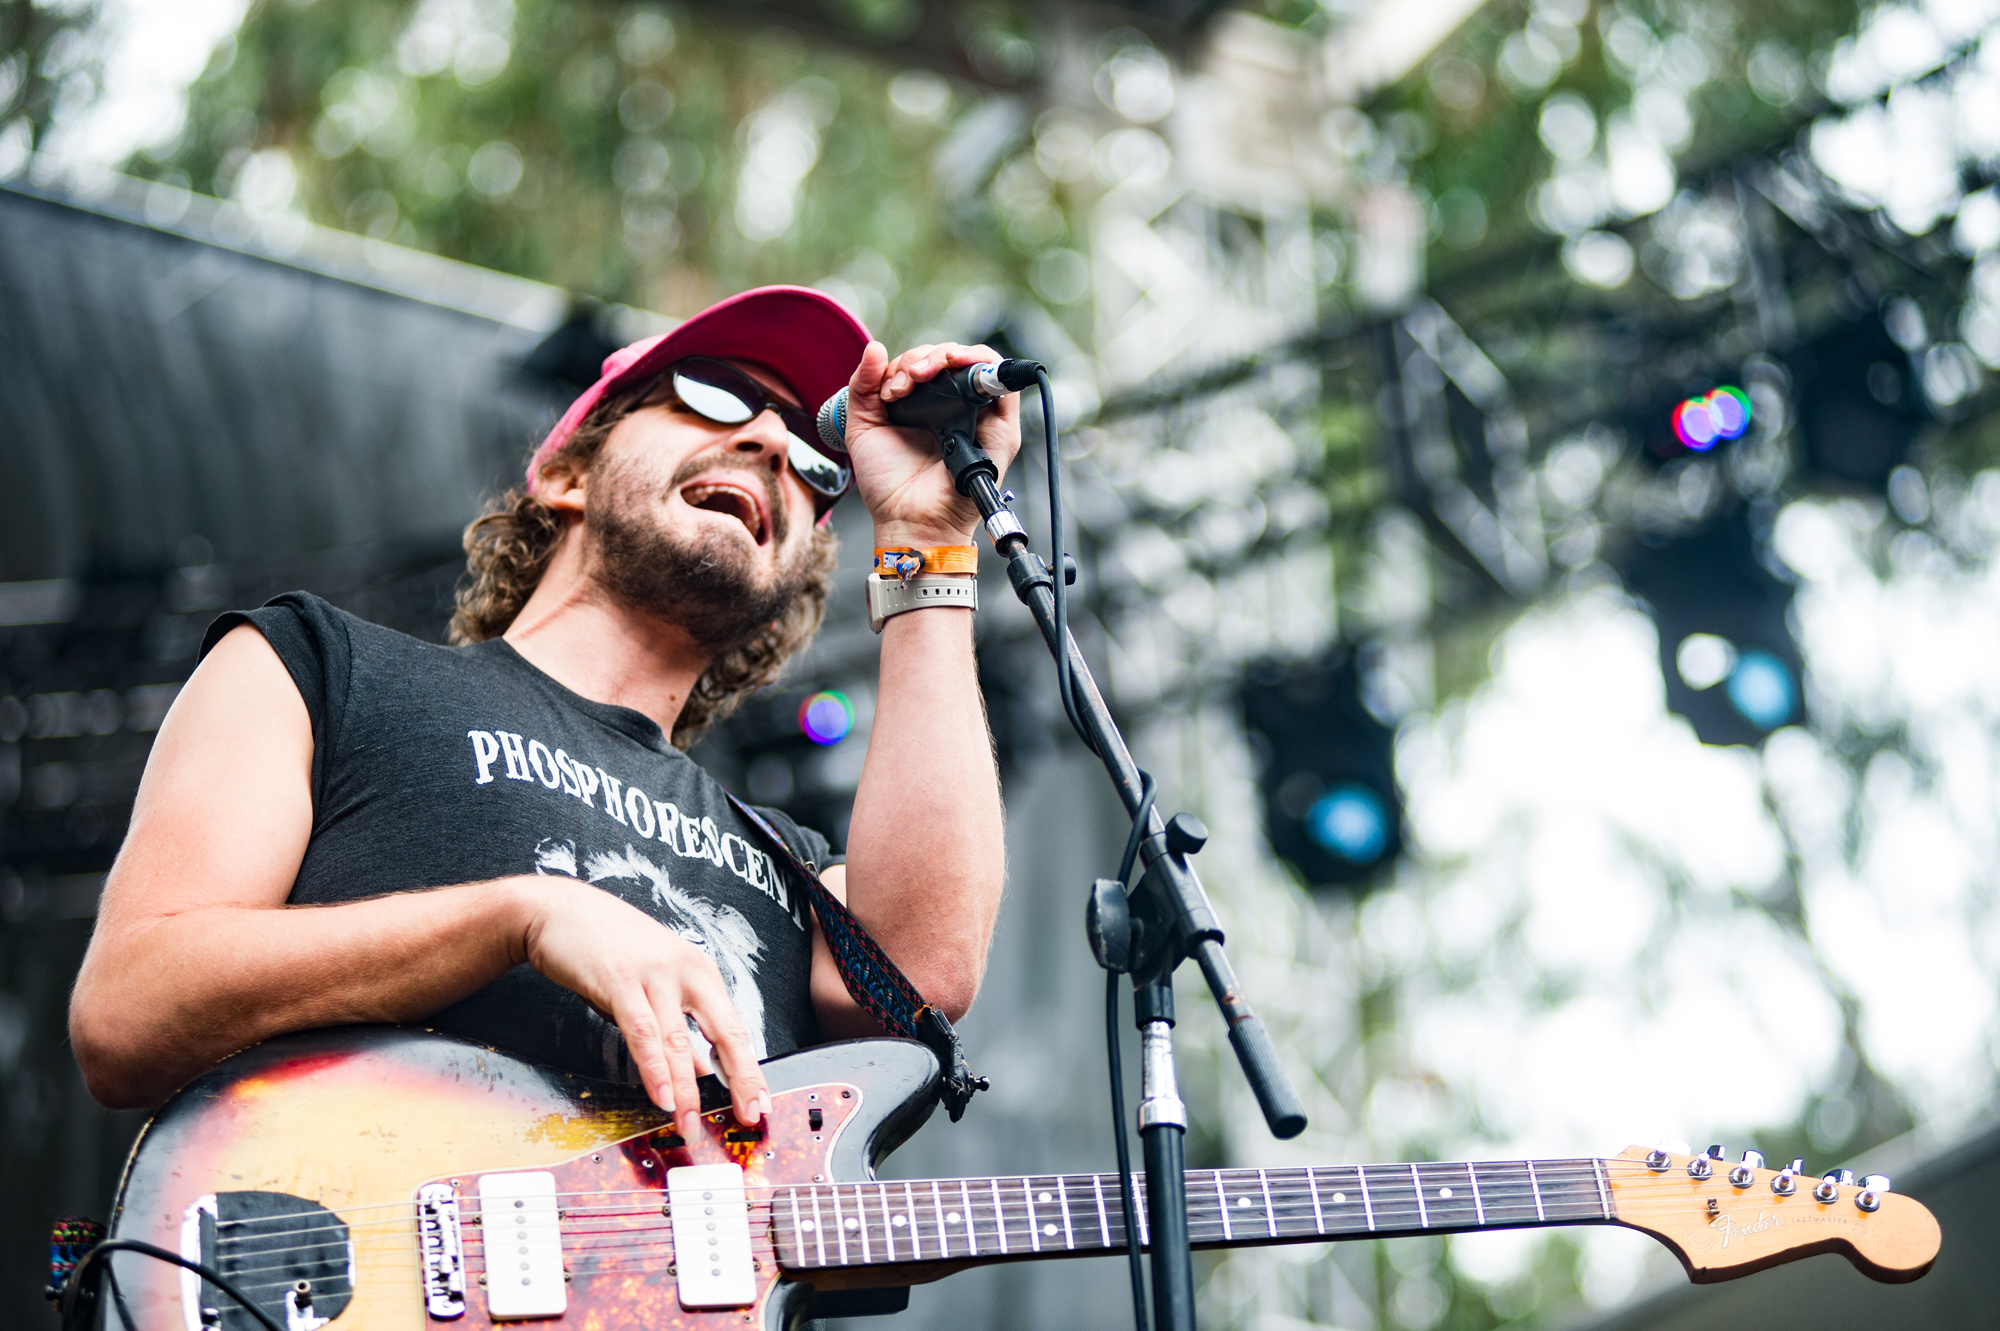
{"points": [[892, 596]]}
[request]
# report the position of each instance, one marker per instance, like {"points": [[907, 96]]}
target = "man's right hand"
{"points": [[649, 981], [197, 954]]}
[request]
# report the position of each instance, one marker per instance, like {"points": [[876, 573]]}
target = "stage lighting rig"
{"points": [[1727, 654], [1331, 806]]}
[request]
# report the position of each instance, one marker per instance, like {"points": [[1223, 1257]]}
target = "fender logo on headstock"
{"points": [[1727, 1227]]}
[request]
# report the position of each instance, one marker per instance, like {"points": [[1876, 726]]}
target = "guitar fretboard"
{"points": [[991, 1219]]}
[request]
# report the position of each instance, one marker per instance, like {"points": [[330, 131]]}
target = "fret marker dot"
{"points": [[1339, 1197], [898, 1222], [1043, 1197], [1444, 1192], [852, 1223], [1242, 1201], [1049, 1230], [807, 1226], [952, 1218]]}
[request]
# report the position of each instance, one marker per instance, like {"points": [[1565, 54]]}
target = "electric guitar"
{"points": [[387, 1179]]}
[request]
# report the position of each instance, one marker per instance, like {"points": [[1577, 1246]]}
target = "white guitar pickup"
{"points": [[711, 1213], [523, 1240]]}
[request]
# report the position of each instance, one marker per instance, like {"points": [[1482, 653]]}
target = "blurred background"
{"points": [[1532, 467]]}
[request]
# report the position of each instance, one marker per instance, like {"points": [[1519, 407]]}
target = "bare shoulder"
{"points": [[225, 807]]}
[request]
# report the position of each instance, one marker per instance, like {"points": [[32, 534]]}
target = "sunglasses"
{"points": [[719, 392]]}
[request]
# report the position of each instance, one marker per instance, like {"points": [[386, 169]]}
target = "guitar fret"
{"points": [[1103, 1221], [1536, 1187], [937, 1218], [1417, 1186], [1270, 1216], [1034, 1226], [1312, 1186], [999, 1220], [971, 1228], [1223, 1200], [916, 1226], [1145, 1220], [1062, 1197], [1447, 1205], [1603, 1193], [1367, 1206], [1478, 1206]]}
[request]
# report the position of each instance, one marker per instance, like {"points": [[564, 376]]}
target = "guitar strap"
{"points": [[876, 983]]}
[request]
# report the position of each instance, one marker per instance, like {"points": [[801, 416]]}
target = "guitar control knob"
{"points": [[1787, 1181], [1744, 1174]]}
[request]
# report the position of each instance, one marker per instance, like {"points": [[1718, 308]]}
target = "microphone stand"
{"points": [[1169, 918]]}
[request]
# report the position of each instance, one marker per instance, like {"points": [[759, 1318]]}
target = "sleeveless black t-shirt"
{"points": [[441, 765]]}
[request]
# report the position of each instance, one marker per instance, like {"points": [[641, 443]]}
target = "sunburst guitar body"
{"points": [[387, 1179]]}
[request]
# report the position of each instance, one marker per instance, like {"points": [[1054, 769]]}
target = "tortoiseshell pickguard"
{"points": [[616, 1236]]}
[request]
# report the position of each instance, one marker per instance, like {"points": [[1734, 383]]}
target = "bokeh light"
{"points": [[826, 717], [1700, 423], [1350, 821]]}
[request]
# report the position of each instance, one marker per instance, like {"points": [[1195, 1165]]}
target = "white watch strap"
{"points": [[892, 596]]}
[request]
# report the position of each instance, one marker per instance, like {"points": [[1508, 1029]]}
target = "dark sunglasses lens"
{"points": [[710, 395], [818, 471]]}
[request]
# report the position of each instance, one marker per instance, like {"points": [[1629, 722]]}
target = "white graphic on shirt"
{"points": [[729, 939]]}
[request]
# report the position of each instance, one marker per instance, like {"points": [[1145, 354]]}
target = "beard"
{"points": [[705, 582]]}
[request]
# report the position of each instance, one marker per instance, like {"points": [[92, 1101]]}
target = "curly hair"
{"points": [[509, 545]]}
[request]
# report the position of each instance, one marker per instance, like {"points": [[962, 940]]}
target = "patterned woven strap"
{"points": [[876, 982]]}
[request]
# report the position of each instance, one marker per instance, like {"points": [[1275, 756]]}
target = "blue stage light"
{"points": [[1349, 821], [1761, 688]]}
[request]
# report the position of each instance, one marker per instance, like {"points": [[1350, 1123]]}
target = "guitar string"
{"points": [[1630, 1183], [1544, 1170], [1210, 1215], [1285, 1186], [1394, 1213]]}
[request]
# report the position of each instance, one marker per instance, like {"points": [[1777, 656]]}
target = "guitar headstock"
{"points": [[1726, 1220]]}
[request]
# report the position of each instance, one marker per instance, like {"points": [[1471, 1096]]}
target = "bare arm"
{"points": [[926, 847], [196, 954]]}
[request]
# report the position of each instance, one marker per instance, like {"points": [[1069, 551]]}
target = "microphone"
{"points": [[938, 403]]}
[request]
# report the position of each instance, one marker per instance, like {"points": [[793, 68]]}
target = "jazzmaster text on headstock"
{"points": [[1725, 1229]]}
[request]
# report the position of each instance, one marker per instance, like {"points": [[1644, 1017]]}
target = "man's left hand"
{"points": [[901, 473]]}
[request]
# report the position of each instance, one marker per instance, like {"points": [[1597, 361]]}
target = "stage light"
{"points": [[1700, 423], [1727, 656], [1328, 772], [1350, 822], [1761, 688], [825, 718]]}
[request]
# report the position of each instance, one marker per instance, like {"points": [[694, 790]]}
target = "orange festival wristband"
{"points": [[902, 561]]}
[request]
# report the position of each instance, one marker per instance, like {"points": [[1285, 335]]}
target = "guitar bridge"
{"points": [[443, 1250]]}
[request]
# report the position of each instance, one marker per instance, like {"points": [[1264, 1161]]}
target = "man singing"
{"points": [[504, 839]]}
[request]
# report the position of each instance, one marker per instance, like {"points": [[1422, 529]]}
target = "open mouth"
{"points": [[731, 499]]}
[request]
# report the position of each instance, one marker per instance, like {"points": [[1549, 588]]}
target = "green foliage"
{"points": [[633, 153], [48, 61]]}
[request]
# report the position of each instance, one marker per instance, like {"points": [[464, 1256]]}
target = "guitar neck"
{"points": [[977, 1220]]}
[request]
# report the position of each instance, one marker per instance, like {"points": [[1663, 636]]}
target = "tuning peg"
{"points": [[1828, 1188], [1661, 1158], [1703, 1165], [1743, 1174], [1787, 1180], [1872, 1188]]}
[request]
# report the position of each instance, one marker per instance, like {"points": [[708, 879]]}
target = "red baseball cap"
{"points": [[805, 337]]}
